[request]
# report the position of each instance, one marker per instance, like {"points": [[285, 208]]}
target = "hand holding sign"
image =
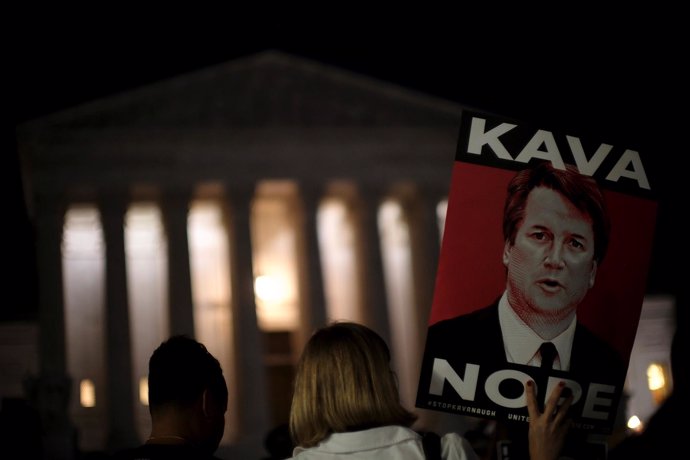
{"points": [[547, 430]]}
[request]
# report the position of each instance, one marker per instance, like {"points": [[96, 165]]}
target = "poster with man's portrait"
{"points": [[542, 272]]}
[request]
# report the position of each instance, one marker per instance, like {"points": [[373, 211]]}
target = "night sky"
{"points": [[618, 82]]}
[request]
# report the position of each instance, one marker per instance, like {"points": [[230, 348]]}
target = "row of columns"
{"points": [[250, 381]]}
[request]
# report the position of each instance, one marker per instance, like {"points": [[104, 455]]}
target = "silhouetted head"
{"points": [[188, 395]]}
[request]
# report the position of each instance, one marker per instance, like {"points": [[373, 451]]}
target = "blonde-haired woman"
{"points": [[346, 403]]}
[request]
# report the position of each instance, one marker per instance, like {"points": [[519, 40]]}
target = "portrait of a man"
{"points": [[541, 275], [556, 232]]}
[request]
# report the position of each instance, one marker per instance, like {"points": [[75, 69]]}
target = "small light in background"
{"points": [[269, 288], [635, 424], [87, 393], [655, 377], [144, 390], [656, 381]]}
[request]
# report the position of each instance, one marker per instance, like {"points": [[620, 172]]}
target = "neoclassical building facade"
{"points": [[245, 204]]}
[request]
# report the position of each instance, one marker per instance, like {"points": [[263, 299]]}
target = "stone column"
{"points": [[120, 391], [175, 209], [51, 390], [372, 280], [425, 244], [52, 342], [250, 386], [313, 312]]}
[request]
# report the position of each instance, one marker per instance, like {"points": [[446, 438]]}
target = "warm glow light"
{"points": [[269, 288], [634, 423], [144, 391], [655, 377], [275, 244], [87, 393]]}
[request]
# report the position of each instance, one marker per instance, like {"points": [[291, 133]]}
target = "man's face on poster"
{"points": [[551, 265]]}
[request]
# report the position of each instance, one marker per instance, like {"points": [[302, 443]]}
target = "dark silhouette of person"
{"points": [[188, 398], [278, 443], [20, 430]]}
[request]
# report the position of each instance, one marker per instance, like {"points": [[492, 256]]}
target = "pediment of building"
{"points": [[266, 89], [265, 115]]}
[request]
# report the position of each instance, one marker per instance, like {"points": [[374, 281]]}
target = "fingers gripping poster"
{"points": [[541, 275]]}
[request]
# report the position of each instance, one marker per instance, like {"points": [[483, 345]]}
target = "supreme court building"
{"points": [[245, 204]]}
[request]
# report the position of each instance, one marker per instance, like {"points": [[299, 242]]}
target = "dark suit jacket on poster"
{"points": [[476, 338]]}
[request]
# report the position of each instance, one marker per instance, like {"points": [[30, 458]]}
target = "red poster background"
{"points": [[471, 275]]}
